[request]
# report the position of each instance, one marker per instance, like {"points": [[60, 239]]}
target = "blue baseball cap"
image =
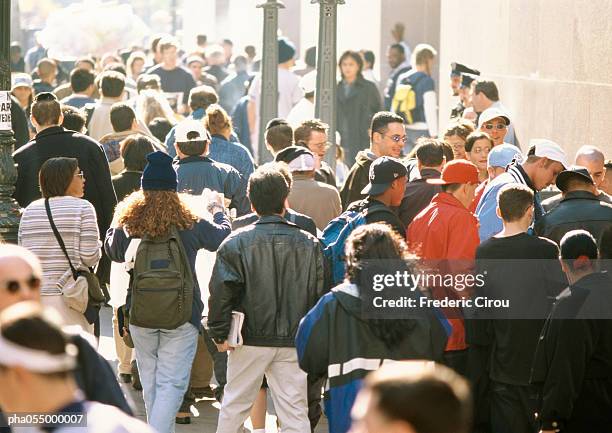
{"points": [[503, 154]]}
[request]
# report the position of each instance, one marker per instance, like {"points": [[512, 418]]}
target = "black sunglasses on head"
{"points": [[45, 96]]}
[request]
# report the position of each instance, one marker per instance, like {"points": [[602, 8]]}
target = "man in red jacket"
{"points": [[447, 230]]}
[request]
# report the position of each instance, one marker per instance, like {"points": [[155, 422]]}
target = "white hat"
{"points": [[308, 82], [189, 125], [21, 79], [549, 149], [490, 114], [304, 162]]}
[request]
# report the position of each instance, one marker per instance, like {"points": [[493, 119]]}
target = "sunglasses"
{"points": [[45, 96], [13, 286], [497, 126], [397, 138]]}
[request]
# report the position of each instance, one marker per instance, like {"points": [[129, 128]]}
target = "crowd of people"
{"points": [[139, 177]]}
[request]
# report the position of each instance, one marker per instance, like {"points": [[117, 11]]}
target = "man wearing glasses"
{"points": [[387, 138], [312, 134], [51, 141], [495, 123]]}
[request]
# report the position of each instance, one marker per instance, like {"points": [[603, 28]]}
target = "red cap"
{"points": [[457, 171]]}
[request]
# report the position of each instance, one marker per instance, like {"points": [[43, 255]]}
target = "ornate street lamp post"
{"points": [[325, 108], [9, 209], [268, 108]]}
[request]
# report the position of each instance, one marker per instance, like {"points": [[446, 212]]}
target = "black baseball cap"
{"points": [[383, 172], [574, 172]]}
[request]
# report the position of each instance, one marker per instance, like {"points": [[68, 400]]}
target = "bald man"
{"points": [[20, 278], [593, 159]]}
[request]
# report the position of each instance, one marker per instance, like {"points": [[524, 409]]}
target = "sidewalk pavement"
{"points": [[204, 412]]}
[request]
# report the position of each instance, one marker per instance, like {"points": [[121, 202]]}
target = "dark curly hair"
{"points": [[378, 241]]}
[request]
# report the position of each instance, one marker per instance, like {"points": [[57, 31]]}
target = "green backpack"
{"points": [[162, 283]]}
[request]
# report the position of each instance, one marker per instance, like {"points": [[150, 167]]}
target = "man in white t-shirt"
{"points": [[289, 91]]}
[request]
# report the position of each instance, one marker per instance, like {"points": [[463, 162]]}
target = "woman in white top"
{"points": [[62, 182]]}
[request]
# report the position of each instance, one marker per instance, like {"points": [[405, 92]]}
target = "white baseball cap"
{"points": [[490, 114], [304, 162], [308, 82], [191, 128], [549, 149]]}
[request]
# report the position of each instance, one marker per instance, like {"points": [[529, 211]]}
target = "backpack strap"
{"points": [[89, 110], [60, 241]]}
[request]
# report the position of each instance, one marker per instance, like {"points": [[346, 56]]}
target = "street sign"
{"points": [[5, 111]]}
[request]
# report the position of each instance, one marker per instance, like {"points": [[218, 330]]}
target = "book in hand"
{"points": [[234, 339]]}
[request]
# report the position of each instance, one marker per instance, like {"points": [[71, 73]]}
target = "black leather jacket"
{"points": [[577, 210], [271, 271]]}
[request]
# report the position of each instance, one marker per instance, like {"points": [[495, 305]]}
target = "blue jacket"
{"points": [[334, 340], [198, 172], [490, 223], [203, 235]]}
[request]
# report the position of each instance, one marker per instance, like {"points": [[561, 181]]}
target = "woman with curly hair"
{"points": [[164, 356], [336, 339]]}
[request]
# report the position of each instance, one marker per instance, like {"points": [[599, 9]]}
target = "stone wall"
{"points": [[551, 59]]}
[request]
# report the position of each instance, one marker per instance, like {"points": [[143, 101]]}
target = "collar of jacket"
{"points": [[430, 173], [198, 114], [520, 175], [51, 130], [359, 81], [273, 219], [572, 195], [305, 177], [449, 199], [194, 158]]}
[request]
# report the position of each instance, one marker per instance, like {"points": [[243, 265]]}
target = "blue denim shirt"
{"points": [[198, 172], [486, 211]]}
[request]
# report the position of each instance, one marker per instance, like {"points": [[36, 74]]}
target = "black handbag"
{"points": [[97, 297]]}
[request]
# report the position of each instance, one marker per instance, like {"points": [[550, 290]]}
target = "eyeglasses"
{"points": [[397, 138], [490, 126], [13, 286], [325, 145], [80, 175], [45, 96]]}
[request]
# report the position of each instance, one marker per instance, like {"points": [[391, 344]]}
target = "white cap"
{"points": [[304, 162], [21, 79], [549, 149], [490, 114], [308, 82], [189, 125]]}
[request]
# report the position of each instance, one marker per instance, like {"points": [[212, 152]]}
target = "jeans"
{"points": [[164, 358]]}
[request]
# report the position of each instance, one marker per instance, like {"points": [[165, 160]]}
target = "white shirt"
{"points": [[289, 91], [303, 110], [369, 75]]}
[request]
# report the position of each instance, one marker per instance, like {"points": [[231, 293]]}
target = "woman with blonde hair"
{"points": [[151, 104], [135, 64], [164, 356], [224, 146]]}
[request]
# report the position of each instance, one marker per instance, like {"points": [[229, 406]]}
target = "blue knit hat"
{"points": [[286, 50], [159, 175]]}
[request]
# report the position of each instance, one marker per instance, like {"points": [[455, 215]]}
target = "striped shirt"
{"points": [[75, 219]]}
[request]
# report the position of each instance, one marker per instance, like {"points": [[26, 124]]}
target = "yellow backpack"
{"points": [[404, 101]]}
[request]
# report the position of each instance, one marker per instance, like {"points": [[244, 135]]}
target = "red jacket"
{"points": [[445, 230], [478, 195]]}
